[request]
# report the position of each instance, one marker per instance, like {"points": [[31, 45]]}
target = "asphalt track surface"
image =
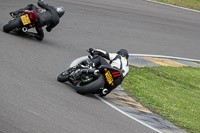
{"points": [[32, 101]]}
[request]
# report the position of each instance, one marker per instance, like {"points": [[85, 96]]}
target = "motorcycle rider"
{"points": [[49, 17], [117, 60]]}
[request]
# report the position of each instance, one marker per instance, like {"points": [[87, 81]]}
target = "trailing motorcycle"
{"points": [[91, 80], [21, 22]]}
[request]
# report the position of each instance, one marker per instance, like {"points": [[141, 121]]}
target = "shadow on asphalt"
{"points": [[74, 90]]}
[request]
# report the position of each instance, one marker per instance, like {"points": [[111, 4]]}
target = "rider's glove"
{"points": [[91, 50]]}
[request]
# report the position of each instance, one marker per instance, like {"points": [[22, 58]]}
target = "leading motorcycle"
{"points": [[22, 22], [89, 79]]}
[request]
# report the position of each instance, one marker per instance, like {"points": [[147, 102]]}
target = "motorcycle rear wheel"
{"points": [[16, 23], [91, 87]]}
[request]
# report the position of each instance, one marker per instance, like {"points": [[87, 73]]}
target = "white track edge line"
{"points": [[163, 56], [173, 6], [111, 105]]}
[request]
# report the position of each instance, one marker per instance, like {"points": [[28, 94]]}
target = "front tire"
{"points": [[91, 87], [62, 78], [16, 23]]}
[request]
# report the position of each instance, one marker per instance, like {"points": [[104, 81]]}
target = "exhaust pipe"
{"points": [[24, 29], [104, 91]]}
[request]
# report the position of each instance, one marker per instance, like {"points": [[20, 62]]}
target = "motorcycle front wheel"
{"points": [[83, 88], [16, 23], [63, 77]]}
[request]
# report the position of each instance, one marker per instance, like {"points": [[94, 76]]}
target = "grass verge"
{"points": [[171, 92], [192, 4]]}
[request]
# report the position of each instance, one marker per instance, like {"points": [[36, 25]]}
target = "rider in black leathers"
{"points": [[49, 18]]}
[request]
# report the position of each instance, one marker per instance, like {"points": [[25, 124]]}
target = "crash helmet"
{"points": [[60, 10], [123, 53]]}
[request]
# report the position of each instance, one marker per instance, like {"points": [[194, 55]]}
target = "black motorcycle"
{"points": [[91, 80], [21, 22]]}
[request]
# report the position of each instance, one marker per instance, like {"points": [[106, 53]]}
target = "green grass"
{"points": [[192, 4], [171, 92]]}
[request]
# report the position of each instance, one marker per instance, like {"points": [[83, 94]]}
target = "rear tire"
{"points": [[16, 23], [91, 87]]}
